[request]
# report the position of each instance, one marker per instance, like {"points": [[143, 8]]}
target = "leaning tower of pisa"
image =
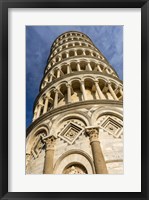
{"points": [[77, 124]]}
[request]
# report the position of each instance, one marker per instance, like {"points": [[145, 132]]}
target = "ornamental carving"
{"points": [[50, 142], [70, 132], [112, 125], [93, 133]]}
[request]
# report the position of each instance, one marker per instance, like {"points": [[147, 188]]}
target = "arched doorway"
{"points": [[75, 168]]}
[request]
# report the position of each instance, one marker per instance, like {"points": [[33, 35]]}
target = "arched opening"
{"points": [[75, 160], [50, 104], [94, 54], [64, 69], [108, 70], [76, 43], [83, 44], [53, 62], [63, 99], [63, 55], [101, 67], [71, 53], [70, 45], [87, 52], [73, 66], [83, 65], [103, 87], [93, 66], [55, 73], [90, 89], [77, 94], [75, 168], [57, 59], [79, 52]]}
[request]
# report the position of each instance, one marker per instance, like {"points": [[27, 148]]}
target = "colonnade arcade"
{"points": [[77, 90], [72, 44], [46, 143], [76, 66], [68, 37], [75, 52]]}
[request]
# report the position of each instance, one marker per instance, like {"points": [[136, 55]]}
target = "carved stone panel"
{"points": [[112, 126], [70, 132]]}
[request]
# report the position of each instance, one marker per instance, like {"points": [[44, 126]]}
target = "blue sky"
{"points": [[108, 39]]}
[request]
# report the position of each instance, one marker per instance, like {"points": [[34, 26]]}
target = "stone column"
{"points": [[92, 54], [83, 90], [47, 99], [100, 93], [84, 53], [121, 91], [35, 114], [89, 67], [75, 53], [49, 154], [107, 70], [58, 73], [69, 93], [46, 104], [78, 67], [39, 109], [99, 161], [67, 55], [112, 92], [51, 76], [68, 69], [99, 69], [59, 59], [56, 98]]}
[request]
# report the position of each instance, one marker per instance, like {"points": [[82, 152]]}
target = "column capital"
{"points": [[50, 142], [40, 104], [48, 96], [108, 82], [93, 133], [82, 81], [68, 84], [96, 81], [56, 90]]}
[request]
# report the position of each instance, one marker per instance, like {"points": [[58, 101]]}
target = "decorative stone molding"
{"points": [[93, 133], [112, 126], [71, 132], [49, 142]]}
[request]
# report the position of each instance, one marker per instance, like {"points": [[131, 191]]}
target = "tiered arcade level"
{"points": [[77, 124]]}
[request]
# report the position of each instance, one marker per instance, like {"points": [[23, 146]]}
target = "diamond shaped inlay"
{"points": [[70, 132], [112, 126]]}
